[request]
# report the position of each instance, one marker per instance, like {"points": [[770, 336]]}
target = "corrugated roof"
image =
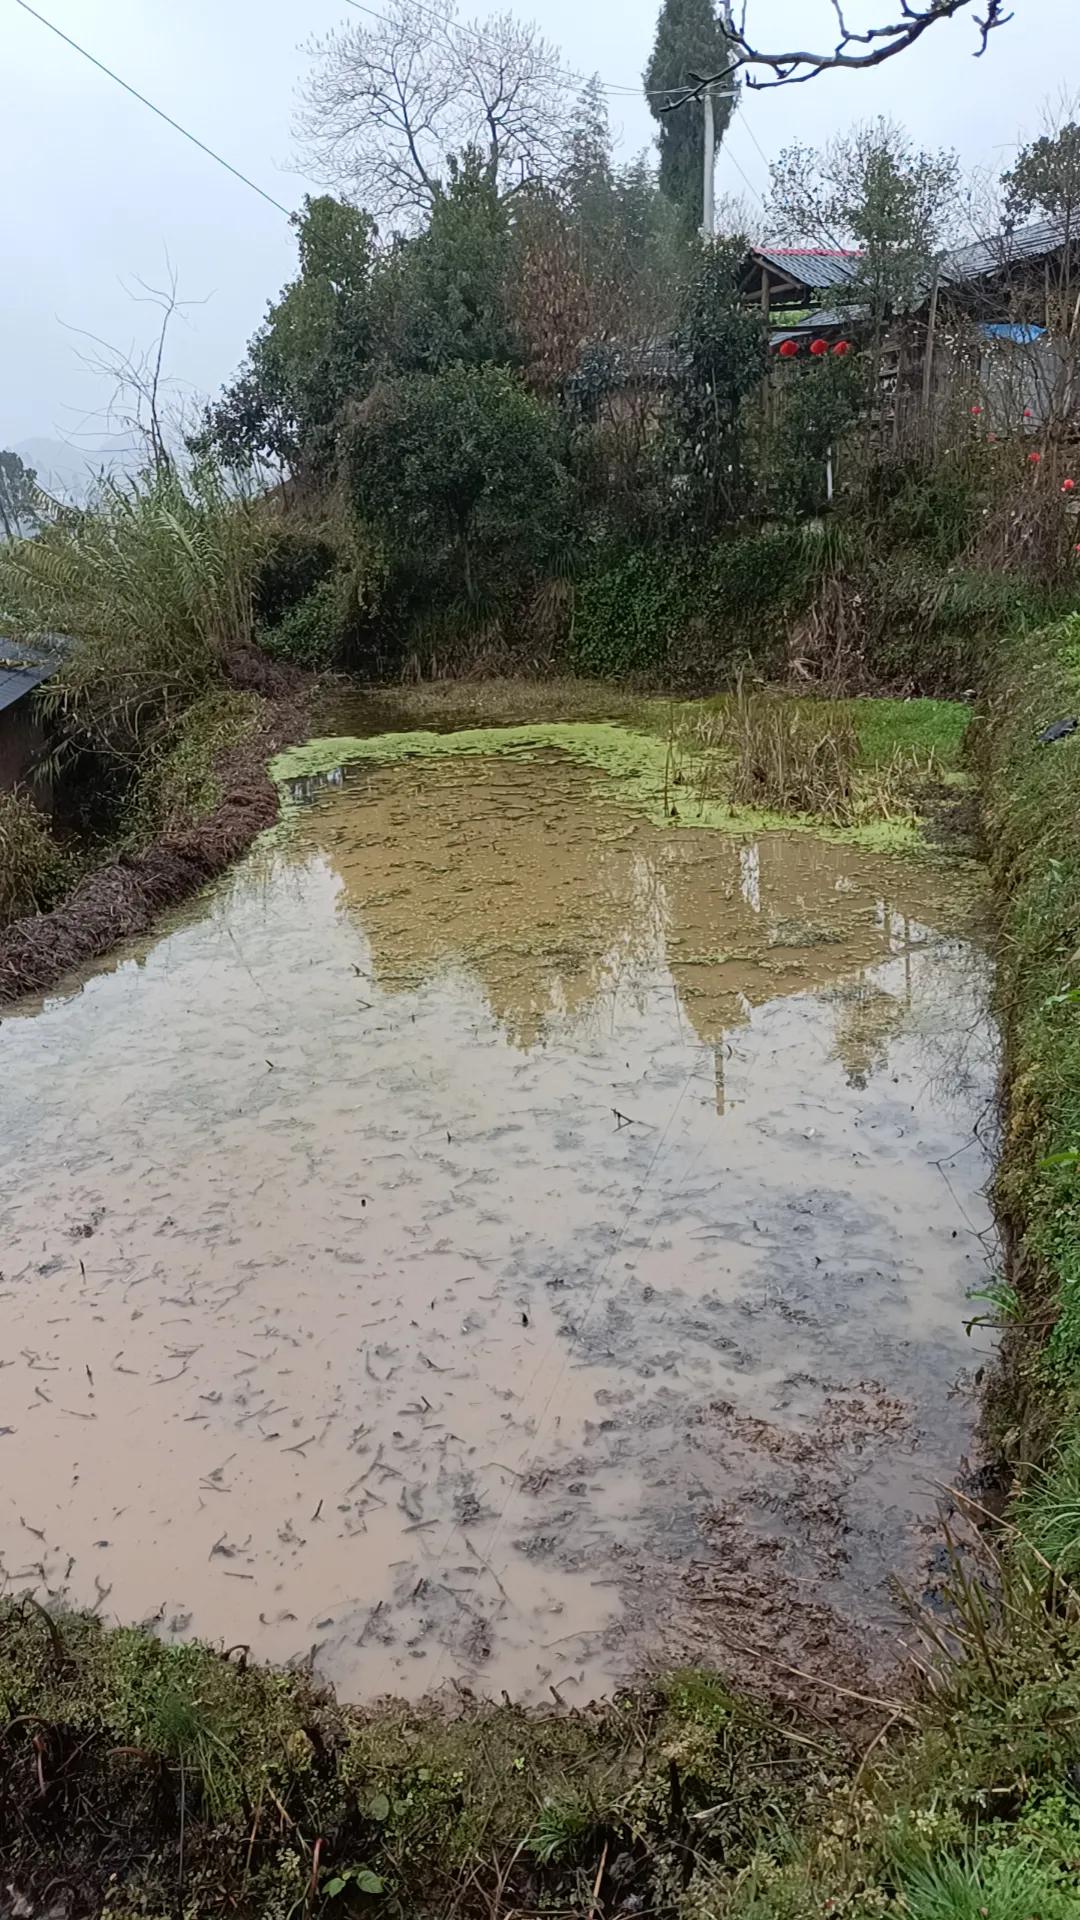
{"points": [[19, 675], [996, 255], [811, 266]]}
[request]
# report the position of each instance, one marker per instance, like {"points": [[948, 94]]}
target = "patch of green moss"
{"points": [[666, 782]]}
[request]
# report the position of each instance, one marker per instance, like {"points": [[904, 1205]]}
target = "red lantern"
{"points": [[818, 347], [842, 347], [788, 349], [1033, 459]]}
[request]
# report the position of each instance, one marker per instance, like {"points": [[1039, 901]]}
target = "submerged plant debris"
{"points": [[494, 1237]]}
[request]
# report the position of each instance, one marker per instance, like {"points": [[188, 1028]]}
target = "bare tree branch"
{"points": [[387, 105], [853, 50]]}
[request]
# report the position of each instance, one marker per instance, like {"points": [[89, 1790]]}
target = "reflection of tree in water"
{"points": [[866, 1020], [513, 868], [497, 864]]}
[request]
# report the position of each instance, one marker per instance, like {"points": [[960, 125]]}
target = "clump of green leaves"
{"points": [[460, 473]]}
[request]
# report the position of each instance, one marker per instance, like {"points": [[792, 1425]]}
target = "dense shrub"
{"points": [[460, 472], [312, 632], [293, 566], [692, 611], [34, 869]]}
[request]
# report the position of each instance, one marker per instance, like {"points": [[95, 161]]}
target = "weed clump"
{"points": [[34, 868]]}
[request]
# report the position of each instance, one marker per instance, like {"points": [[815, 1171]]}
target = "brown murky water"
{"points": [[490, 1238]]}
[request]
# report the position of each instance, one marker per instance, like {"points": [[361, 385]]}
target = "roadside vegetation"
{"points": [[540, 437]]}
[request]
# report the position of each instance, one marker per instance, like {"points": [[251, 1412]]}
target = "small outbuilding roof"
{"points": [[19, 675]]}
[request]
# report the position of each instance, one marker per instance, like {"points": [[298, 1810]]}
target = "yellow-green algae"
{"points": [[642, 772]]}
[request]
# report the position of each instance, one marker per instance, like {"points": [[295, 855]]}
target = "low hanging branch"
{"points": [[853, 50]]}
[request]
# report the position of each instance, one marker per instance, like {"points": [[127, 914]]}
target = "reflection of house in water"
{"points": [[564, 908]]}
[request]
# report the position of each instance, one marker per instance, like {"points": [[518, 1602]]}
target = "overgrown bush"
{"points": [[692, 612], [295, 563], [152, 588], [34, 869], [460, 473]]}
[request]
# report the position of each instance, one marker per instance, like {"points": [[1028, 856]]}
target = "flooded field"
{"points": [[491, 1238]]}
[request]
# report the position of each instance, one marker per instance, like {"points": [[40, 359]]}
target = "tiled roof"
{"points": [[984, 257], [811, 266]]}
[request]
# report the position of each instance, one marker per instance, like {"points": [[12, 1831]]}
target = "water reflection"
{"points": [[488, 1236]]}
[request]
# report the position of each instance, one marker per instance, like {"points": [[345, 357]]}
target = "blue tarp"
{"points": [[1020, 336]]}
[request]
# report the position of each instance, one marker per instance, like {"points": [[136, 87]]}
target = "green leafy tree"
{"points": [[690, 39], [445, 293], [871, 191], [723, 347], [313, 352], [18, 495], [460, 471], [1046, 177]]}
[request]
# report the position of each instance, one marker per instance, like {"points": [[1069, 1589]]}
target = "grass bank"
{"points": [[200, 797]]}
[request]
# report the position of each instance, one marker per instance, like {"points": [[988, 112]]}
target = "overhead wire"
{"points": [[154, 108], [453, 27]]}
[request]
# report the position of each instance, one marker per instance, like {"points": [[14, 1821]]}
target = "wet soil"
{"points": [[489, 1238]]}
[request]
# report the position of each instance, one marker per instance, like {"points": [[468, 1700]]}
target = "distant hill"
{"points": [[67, 471]]}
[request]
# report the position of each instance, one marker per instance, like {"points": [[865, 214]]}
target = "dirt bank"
{"points": [[122, 899]]}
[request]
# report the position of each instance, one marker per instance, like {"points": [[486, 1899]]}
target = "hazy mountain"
{"points": [[67, 471]]}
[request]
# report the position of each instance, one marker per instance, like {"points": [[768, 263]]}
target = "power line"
{"points": [[161, 114], [733, 157], [565, 74]]}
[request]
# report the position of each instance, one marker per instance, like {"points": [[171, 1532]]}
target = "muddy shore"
{"points": [[121, 900]]}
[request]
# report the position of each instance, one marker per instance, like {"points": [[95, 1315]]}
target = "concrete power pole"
{"points": [[708, 196]]}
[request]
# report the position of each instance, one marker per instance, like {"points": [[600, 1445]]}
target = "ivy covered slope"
{"points": [[1032, 808]]}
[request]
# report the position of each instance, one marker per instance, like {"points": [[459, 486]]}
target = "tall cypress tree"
{"points": [[690, 38]]}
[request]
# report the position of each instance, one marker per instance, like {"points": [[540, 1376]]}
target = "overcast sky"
{"points": [[99, 190]]}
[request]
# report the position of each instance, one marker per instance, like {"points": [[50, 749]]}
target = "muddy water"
{"points": [[489, 1238]]}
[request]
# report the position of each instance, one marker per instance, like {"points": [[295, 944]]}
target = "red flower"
{"points": [[976, 409], [788, 349], [842, 347], [1033, 459], [1027, 413], [1068, 486], [818, 347]]}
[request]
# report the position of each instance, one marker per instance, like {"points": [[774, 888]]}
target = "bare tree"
{"points": [[145, 414], [388, 104], [852, 49]]}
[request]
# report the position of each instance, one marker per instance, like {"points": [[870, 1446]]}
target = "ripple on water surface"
{"points": [[490, 1237]]}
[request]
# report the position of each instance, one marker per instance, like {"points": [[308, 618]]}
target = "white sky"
{"points": [[99, 189]]}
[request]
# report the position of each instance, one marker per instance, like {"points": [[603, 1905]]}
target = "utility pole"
{"points": [[708, 195]]}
